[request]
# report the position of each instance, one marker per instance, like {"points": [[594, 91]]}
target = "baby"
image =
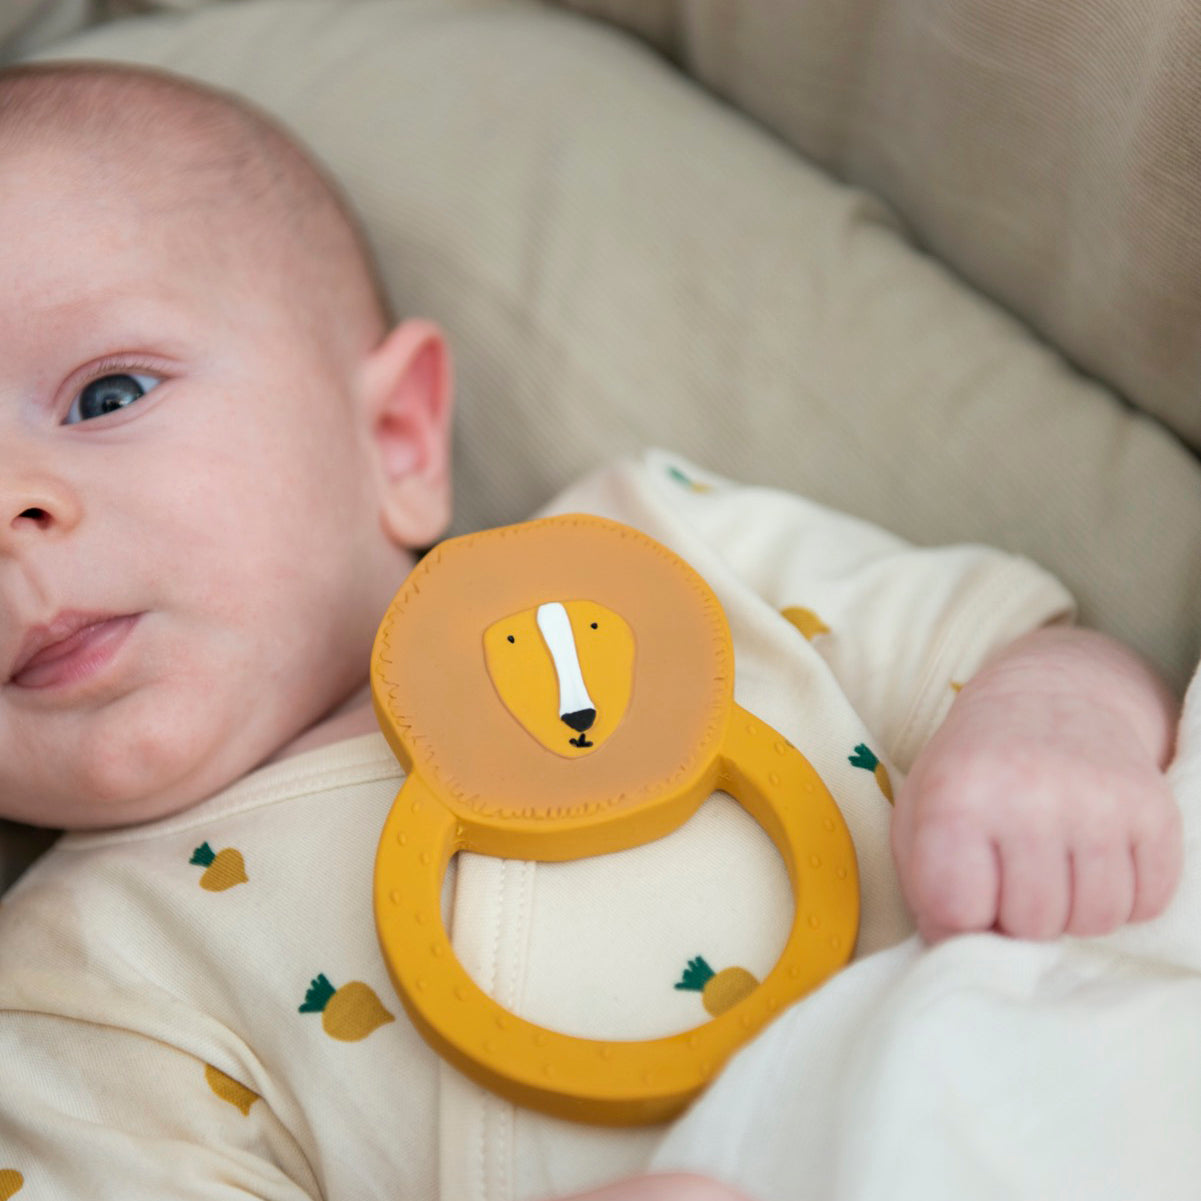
{"points": [[217, 457]]}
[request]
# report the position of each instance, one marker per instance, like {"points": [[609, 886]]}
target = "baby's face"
{"points": [[191, 557]]}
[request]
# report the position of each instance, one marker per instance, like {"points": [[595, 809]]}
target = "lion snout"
{"points": [[579, 719]]}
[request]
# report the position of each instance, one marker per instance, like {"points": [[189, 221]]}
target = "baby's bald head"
{"points": [[236, 187], [208, 437]]}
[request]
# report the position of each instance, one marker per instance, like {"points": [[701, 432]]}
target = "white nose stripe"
{"points": [[555, 627]]}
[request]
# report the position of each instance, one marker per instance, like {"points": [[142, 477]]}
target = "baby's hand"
{"points": [[1040, 806]]}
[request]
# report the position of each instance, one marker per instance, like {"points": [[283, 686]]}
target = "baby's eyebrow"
{"points": [[99, 320], [84, 301]]}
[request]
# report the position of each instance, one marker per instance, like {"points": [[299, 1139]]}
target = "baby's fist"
{"points": [[1039, 808]]}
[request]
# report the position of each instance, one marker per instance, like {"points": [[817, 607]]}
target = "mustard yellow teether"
{"points": [[560, 689]]}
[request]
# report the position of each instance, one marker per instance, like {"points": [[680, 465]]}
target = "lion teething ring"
{"points": [[560, 689]]}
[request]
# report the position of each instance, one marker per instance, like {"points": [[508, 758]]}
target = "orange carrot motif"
{"points": [[348, 1013], [866, 759], [223, 869], [719, 990]]}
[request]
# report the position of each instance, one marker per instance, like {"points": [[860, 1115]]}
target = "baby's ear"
{"points": [[407, 391]]}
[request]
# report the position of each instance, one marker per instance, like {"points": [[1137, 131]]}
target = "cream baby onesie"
{"points": [[197, 1007]]}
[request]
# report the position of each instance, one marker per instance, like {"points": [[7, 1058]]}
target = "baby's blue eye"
{"points": [[107, 394]]}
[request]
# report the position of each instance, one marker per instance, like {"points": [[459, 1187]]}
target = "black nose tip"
{"points": [[580, 720]]}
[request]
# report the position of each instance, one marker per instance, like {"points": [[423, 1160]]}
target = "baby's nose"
{"points": [[35, 501], [580, 719]]}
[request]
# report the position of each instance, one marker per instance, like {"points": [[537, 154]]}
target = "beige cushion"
{"points": [[1050, 151], [620, 260], [29, 25]]}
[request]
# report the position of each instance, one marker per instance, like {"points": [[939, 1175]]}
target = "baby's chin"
{"points": [[150, 770]]}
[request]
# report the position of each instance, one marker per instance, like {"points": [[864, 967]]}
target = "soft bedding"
{"points": [[982, 1068], [620, 260]]}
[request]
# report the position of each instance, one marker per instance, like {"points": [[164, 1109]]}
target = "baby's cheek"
{"points": [[136, 750], [156, 751]]}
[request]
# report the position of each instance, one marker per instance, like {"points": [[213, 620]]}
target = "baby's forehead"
{"points": [[89, 219], [196, 165], [137, 133]]}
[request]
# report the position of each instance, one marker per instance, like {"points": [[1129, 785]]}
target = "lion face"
{"points": [[563, 666], [563, 672]]}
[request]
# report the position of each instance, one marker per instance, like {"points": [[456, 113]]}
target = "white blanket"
{"points": [[982, 1068]]}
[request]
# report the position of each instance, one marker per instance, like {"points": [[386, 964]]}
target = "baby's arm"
{"points": [[1040, 806]]}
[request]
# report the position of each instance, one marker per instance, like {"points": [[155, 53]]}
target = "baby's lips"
{"points": [[49, 646]]}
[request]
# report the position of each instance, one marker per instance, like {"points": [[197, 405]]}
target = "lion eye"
{"points": [[512, 639]]}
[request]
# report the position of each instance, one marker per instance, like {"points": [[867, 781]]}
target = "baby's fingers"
{"points": [[1157, 855], [1035, 897], [949, 876], [1103, 889]]}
